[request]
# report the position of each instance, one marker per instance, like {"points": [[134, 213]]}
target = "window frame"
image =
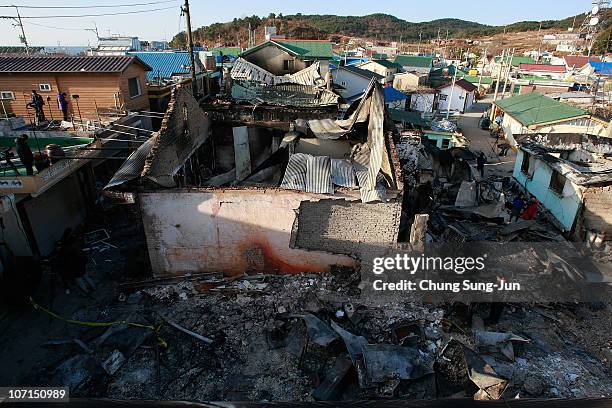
{"points": [[289, 64], [137, 79], [559, 181], [40, 87], [11, 98]]}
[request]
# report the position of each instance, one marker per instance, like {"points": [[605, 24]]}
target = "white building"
{"points": [[459, 97], [353, 80], [382, 67]]}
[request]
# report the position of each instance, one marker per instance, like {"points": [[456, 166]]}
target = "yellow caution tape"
{"points": [[154, 329]]}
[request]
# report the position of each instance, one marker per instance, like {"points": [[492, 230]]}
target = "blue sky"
{"points": [[165, 23]]}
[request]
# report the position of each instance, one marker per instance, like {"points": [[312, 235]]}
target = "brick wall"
{"points": [[598, 210]]}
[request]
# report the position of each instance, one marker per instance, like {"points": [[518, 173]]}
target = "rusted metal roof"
{"points": [[85, 64]]}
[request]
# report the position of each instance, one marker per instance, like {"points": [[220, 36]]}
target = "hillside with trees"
{"points": [[374, 26]]}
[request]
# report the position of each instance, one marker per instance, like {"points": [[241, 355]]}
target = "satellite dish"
{"points": [[594, 21], [595, 9]]}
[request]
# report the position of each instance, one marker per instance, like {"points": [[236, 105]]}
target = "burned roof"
{"points": [[583, 159], [69, 64], [282, 94]]}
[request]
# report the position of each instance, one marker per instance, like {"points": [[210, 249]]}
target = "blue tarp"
{"points": [[392, 95], [602, 68]]}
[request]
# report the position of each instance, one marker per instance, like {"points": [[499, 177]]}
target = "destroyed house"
{"points": [[220, 195], [289, 56], [571, 175]]}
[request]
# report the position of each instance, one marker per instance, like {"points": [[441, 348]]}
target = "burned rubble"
{"points": [[252, 228]]}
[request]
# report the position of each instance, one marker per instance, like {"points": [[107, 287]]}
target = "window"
{"points": [[527, 165], [44, 87], [134, 87], [443, 97], [557, 182], [7, 95], [445, 143], [288, 65]]}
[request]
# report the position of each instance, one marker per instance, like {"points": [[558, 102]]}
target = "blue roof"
{"points": [[165, 64], [392, 95], [602, 68]]}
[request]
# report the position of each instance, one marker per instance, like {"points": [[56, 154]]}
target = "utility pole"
{"points": [[501, 62], [507, 74], [24, 40], [194, 84], [450, 98], [482, 69]]}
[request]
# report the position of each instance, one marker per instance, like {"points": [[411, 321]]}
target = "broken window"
{"points": [[134, 87], [525, 164], [557, 182], [288, 65]]}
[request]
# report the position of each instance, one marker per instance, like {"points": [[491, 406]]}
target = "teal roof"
{"points": [[535, 108], [306, 49], [164, 64], [414, 61]]}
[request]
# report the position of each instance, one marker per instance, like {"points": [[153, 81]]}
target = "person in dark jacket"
{"points": [[37, 103], [62, 104], [25, 154], [480, 163]]}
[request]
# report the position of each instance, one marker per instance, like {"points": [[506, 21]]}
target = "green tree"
{"points": [[179, 41]]}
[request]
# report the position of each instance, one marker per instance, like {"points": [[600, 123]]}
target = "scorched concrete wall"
{"points": [[233, 231]]}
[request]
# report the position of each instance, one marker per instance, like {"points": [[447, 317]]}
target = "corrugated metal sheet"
{"points": [[133, 165], [318, 175], [342, 173], [247, 71], [283, 95], [164, 64], [68, 64], [295, 174]]}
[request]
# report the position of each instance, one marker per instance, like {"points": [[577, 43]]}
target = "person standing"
{"points": [[37, 103], [481, 160], [25, 154], [531, 210], [62, 104], [517, 207]]}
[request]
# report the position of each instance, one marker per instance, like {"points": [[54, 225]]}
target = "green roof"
{"points": [[474, 79], [414, 61], [451, 71], [379, 56], [386, 63], [233, 51], [535, 108], [306, 49], [516, 60], [408, 117]]}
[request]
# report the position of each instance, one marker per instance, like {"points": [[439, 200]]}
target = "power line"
{"points": [[95, 15], [59, 28], [89, 7]]}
